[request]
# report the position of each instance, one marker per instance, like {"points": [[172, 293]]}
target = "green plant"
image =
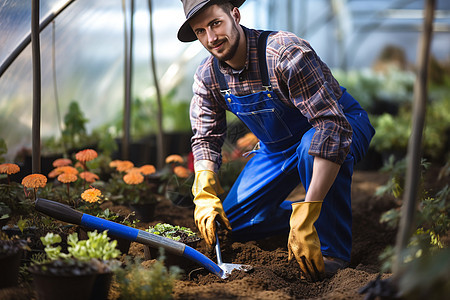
{"points": [[370, 87], [392, 132], [138, 282], [12, 245], [397, 171], [4, 211], [173, 232], [432, 223], [131, 185], [112, 216], [96, 246], [74, 135], [3, 150]]}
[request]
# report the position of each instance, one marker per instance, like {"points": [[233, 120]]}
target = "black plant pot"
{"points": [[171, 259], [49, 287], [122, 244], [145, 212], [101, 287], [180, 200], [9, 266]]}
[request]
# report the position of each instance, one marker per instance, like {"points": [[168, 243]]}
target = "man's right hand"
{"points": [[208, 207]]}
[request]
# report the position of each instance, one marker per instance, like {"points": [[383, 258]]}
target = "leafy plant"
{"points": [[370, 87], [173, 232], [12, 245], [397, 171], [96, 246], [3, 150], [138, 282], [107, 214], [432, 223], [392, 132], [4, 211], [74, 134], [131, 185]]}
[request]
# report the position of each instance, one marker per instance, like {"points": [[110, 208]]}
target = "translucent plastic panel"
{"points": [[82, 59]]}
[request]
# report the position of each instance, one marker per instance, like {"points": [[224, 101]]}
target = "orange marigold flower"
{"points": [[147, 169], [86, 155], [114, 163], [53, 173], [133, 169], [9, 168], [68, 170], [181, 172], [91, 195], [34, 181], [133, 178], [89, 176], [61, 162], [67, 178], [174, 158], [248, 141], [124, 165]]}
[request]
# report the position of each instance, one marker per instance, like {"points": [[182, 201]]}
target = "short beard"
{"points": [[232, 51]]}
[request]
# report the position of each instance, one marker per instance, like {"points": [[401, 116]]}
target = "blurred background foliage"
{"points": [[371, 47]]}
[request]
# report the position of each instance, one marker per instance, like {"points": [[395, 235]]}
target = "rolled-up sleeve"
{"points": [[208, 121], [310, 90]]}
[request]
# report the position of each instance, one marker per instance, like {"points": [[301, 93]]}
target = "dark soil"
{"points": [[272, 276]]}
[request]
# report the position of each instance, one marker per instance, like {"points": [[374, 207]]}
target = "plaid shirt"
{"points": [[298, 77]]}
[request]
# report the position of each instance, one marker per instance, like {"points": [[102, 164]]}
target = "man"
{"points": [[310, 130]]}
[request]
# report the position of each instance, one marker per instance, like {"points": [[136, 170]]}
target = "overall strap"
{"points": [[220, 78], [261, 46], [262, 43]]}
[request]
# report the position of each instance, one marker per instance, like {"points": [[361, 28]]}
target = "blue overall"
{"points": [[256, 205]]}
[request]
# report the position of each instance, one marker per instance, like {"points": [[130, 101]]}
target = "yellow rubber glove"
{"points": [[304, 243], [208, 207]]}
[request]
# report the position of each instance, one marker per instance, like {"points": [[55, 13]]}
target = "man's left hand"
{"points": [[304, 243]]}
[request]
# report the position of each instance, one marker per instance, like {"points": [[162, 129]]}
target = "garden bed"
{"points": [[273, 277]]}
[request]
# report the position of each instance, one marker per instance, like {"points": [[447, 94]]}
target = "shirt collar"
{"points": [[250, 36]]}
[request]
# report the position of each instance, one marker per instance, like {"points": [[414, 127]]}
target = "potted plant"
{"points": [[138, 281], [178, 233], [11, 192], [4, 214], [122, 244], [82, 273], [130, 185], [179, 181], [11, 250]]}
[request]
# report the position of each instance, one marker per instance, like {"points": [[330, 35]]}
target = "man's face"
{"points": [[217, 31]]}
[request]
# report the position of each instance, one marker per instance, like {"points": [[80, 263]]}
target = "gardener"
{"points": [[310, 131]]}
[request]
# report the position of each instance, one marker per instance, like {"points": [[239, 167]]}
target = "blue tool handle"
{"points": [[58, 211], [67, 214], [204, 261]]}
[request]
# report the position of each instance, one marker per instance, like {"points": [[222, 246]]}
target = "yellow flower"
{"points": [[34, 181], [9, 168], [89, 176], [86, 155], [61, 162], [174, 158], [134, 177], [91, 195], [147, 169], [67, 178], [181, 172]]}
